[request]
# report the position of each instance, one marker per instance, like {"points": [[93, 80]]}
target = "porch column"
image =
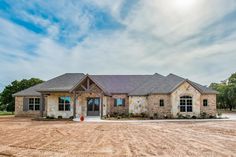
{"points": [[74, 106], [42, 106], [101, 105]]}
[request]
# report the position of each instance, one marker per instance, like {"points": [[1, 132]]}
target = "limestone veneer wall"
{"points": [[19, 109], [211, 108], [52, 105], [155, 108], [138, 104], [186, 90], [118, 109]]}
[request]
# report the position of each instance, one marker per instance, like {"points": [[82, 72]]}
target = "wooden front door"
{"points": [[93, 105]]}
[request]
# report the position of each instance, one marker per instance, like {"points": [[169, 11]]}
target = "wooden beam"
{"points": [[88, 82], [84, 87], [92, 86]]}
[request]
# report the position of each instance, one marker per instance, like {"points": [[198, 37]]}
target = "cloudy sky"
{"points": [[195, 39]]}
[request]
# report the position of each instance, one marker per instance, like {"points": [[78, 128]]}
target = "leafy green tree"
{"points": [[7, 102], [232, 79], [226, 99], [230, 96]]}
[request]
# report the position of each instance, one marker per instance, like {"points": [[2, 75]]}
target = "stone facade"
{"points": [[186, 90], [138, 104], [154, 108], [133, 104], [118, 109], [19, 109], [52, 107], [210, 109]]}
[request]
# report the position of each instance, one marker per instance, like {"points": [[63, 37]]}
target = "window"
{"points": [[64, 103], [34, 104], [119, 102], [205, 102], [161, 102], [186, 104]]}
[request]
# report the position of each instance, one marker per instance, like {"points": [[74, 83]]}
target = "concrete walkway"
{"points": [[228, 116]]}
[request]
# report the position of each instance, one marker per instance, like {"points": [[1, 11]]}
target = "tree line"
{"points": [[7, 102], [226, 99]]}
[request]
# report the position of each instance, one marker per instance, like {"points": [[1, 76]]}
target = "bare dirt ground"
{"points": [[23, 137]]}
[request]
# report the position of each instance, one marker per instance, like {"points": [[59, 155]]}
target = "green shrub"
{"points": [[50, 117], [131, 114], [144, 115], [219, 113], [155, 115], [165, 116], [194, 117], [59, 117], [188, 116], [212, 116], [203, 115], [180, 116]]}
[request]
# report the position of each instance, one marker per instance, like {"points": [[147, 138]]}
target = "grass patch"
{"points": [[5, 113]]}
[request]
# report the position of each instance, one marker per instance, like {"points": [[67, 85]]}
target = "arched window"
{"points": [[186, 104]]}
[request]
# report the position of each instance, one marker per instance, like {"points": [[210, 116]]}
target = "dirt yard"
{"points": [[23, 137]]}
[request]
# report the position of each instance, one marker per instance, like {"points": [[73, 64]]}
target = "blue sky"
{"points": [[192, 38]]}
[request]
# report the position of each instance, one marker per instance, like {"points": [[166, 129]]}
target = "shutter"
{"points": [[25, 104], [123, 102], [115, 104]]}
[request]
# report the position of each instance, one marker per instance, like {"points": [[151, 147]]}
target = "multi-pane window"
{"points": [[161, 102], [34, 104], [186, 104], [64, 103], [205, 102], [119, 102]]}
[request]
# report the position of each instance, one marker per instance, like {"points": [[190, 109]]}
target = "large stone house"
{"points": [[75, 94]]}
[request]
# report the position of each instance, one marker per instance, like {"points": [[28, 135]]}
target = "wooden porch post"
{"points": [[74, 105], [42, 105]]}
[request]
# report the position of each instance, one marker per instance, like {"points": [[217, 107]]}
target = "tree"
{"points": [[230, 96], [221, 99], [226, 99], [232, 79], [7, 102]]}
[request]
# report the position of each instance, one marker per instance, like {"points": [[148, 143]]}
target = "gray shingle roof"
{"points": [[61, 83], [120, 83], [29, 91], [130, 84]]}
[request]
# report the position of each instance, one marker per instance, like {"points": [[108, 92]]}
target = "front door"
{"points": [[93, 105]]}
